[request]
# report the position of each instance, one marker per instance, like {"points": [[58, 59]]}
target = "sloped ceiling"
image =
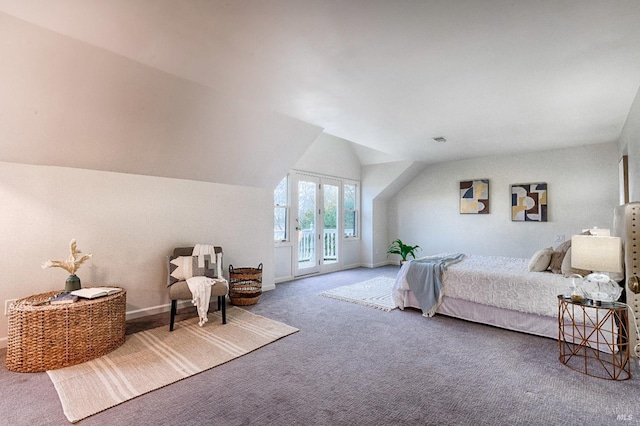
{"points": [[67, 103], [492, 76]]}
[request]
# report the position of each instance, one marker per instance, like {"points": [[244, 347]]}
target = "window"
{"points": [[350, 210], [346, 214], [281, 211]]}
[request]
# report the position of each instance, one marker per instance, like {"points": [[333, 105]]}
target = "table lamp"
{"points": [[601, 255]]}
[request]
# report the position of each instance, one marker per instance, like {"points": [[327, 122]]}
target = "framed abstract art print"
{"points": [[529, 202], [474, 196]]}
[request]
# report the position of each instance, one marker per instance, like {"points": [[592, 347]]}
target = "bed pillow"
{"points": [[558, 256], [182, 267], [540, 260], [568, 270], [560, 253]]}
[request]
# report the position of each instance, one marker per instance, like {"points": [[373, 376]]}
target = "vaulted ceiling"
{"points": [[491, 76]]}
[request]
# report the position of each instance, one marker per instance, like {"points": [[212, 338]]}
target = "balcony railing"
{"points": [[307, 246]]}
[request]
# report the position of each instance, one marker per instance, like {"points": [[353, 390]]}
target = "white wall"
{"points": [[582, 190], [630, 143], [129, 223], [379, 182], [331, 156]]}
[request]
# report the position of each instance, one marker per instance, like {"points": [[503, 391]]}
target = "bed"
{"points": [[502, 292], [498, 291]]}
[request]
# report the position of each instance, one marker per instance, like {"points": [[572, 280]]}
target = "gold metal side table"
{"points": [[593, 339]]}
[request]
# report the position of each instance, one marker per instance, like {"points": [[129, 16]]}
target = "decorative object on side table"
{"points": [[71, 265], [63, 298], [602, 255], [402, 249], [576, 294], [95, 292]]}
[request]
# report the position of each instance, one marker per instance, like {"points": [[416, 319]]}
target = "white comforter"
{"points": [[504, 282]]}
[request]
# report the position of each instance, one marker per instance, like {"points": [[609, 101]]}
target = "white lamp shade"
{"points": [[601, 254]]}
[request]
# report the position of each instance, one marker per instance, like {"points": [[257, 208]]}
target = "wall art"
{"points": [[474, 196], [529, 202]]}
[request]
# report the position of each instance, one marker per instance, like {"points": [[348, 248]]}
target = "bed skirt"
{"points": [[538, 325], [504, 318]]}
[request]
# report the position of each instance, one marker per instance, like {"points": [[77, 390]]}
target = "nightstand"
{"points": [[593, 339]]}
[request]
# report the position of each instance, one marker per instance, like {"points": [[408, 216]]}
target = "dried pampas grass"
{"points": [[72, 264]]}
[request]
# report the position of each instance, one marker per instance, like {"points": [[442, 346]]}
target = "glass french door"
{"points": [[305, 194], [330, 235], [316, 224]]}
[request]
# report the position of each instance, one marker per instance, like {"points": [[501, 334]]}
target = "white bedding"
{"points": [[500, 291], [502, 282]]}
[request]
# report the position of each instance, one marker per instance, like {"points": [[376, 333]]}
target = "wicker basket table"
{"points": [[46, 337]]}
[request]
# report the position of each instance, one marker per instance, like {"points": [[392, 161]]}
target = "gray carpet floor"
{"points": [[354, 365]]}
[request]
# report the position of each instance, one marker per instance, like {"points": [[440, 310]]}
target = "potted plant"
{"points": [[70, 265], [402, 249]]}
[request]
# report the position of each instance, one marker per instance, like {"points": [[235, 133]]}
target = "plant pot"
{"points": [[72, 283]]}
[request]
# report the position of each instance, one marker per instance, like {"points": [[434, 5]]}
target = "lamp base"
{"points": [[600, 288]]}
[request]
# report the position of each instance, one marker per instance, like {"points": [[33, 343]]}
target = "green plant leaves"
{"points": [[402, 249]]}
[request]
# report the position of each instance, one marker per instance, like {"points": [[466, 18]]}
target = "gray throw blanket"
{"points": [[424, 278]]}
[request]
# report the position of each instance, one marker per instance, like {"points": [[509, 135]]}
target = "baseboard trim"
{"points": [[152, 310], [269, 287], [379, 264]]}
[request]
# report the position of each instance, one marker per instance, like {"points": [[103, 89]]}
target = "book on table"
{"points": [[94, 292], [63, 298]]}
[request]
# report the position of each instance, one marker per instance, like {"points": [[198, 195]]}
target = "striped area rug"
{"points": [[375, 293], [155, 358]]}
